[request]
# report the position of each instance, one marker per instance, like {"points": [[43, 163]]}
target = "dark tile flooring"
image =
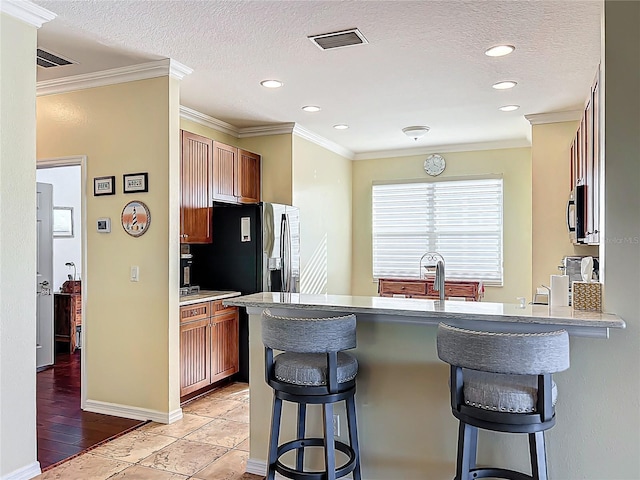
{"points": [[64, 430]]}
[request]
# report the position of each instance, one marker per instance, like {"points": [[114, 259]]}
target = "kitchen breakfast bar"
{"points": [[405, 424]]}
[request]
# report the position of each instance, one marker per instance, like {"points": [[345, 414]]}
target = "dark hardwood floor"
{"points": [[64, 430]]}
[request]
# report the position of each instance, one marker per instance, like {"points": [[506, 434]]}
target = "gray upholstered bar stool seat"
{"points": [[312, 369], [502, 382]]}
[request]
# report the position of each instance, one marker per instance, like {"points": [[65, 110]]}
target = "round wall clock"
{"points": [[434, 165], [136, 218]]}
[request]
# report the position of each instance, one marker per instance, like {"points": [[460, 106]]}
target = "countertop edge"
{"points": [[206, 297], [428, 315]]}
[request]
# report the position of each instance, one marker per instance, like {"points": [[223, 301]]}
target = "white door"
{"points": [[44, 276]]}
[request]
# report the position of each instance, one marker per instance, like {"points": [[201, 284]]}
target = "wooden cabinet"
{"points": [[67, 316], [247, 185], [236, 174], [423, 288], [586, 166], [196, 188], [209, 348], [211, 171]]}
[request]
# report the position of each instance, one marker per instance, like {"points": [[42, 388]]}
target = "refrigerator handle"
{"points": [[285, 253]]}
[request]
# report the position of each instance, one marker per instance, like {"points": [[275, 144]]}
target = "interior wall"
{"points": [[17, 248], [550, 176], [131, 326], [67, 192], [598, 427], [322, 191], [513, 164]]}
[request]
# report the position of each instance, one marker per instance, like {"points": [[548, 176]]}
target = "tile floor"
{"points": [[211, 442]]}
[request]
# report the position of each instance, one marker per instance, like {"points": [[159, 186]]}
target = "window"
{"points": [[460, 219]]}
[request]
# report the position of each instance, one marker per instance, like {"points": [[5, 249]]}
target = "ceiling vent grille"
{"points": [[345, 38], [47, 59]]}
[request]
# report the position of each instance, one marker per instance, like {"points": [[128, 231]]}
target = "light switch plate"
{"points": [[135, 273]]}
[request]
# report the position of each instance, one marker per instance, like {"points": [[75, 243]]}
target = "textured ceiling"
{"points": [[424, 64]]}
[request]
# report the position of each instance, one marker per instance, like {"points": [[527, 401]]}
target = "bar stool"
{"points": [[502, 382], [312, 369]]}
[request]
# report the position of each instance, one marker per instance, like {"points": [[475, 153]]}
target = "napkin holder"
{"points": [[586, 296]]}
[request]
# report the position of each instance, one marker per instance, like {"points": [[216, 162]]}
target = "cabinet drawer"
{"points": [[218, 309], [197, 311], [402, 288], [456, 289]]}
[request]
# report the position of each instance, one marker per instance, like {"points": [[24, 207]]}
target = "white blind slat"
{"points": [[460, 219]]}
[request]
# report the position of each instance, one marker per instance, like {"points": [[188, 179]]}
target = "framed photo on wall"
{"points": [[135, 182], [104, 186], [63, 221]]}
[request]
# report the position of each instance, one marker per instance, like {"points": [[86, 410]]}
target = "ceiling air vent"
{"points": [[345, 38], [47, 59]]}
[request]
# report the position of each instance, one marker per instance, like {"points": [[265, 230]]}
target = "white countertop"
{"points": [[207, 295], [431, 312]]}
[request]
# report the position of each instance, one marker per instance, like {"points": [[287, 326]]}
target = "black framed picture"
{"points": [[135, 182], [104, 186]]}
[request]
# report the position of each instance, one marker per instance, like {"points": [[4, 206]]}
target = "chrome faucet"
{"points": [[438, 283]]}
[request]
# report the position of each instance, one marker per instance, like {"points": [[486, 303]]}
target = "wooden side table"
{"points": [[67, 308]]}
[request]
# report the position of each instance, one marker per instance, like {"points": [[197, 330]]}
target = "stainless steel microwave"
{"points": [[576, 214]]}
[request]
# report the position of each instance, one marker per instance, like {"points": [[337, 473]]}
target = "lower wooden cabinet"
{"points": [[209, 348], [423, 288]]}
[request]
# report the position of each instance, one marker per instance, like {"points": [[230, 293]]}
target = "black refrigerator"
{"points": [[255, 248]]}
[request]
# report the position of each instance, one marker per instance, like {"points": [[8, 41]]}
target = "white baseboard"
{"points": [[135, 413], [24, 473], [257, 467]]}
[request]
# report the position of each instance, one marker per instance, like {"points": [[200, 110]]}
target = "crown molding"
{"points": [[460, 147], [142, 71], [208, 121], [323, 142], [178, 70], [28, 12], [275, 129], [554, 117]]}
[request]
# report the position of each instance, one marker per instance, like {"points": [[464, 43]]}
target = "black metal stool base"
{"points": [[304, 396], [295, 474]]}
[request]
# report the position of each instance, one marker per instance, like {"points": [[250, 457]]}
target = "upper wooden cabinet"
{"points": [[247, 186], [236, 174], [225, 160], [196, 188], [586, 165]]}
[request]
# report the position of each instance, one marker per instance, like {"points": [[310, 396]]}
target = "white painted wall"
{"points": [[66, 183], [17, 249]]}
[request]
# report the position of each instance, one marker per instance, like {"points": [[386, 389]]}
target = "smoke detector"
{"points": [[344, 38]]}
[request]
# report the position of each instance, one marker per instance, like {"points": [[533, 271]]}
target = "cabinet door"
{"points": [[247, 187], [195, 355], [224, 172], [224, 344], [195, 192]]}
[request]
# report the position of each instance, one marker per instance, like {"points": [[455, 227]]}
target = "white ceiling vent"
{"points": [[46, 59], [345, 38]]}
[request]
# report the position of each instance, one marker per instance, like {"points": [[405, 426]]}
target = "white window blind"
{"points": [[460, 219]]}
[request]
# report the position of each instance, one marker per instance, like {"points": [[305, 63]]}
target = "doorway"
{"points": [[64, 429]]}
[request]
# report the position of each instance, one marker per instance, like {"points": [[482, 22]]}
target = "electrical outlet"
{"points": [[336, 425]]}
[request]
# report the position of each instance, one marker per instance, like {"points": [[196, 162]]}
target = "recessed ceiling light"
{"points": [[311, 108], [509, 108], [271, 83], [341, 126], [499, 50], [504, 85]]}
